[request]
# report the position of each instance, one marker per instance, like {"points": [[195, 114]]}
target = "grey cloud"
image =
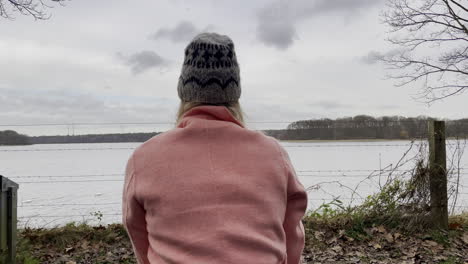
{"points": [[373, 57], [182, 32], [51, 102], [281, 35], [277, 20], [388, 106], [276, 27], [142, 61], [309, 8], [330, 105], [30, 106]]}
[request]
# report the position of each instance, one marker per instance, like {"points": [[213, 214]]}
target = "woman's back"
{"points": [[212, 191]]}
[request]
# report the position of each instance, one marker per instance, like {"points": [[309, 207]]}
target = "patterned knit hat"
{"points": [[210, 73]]}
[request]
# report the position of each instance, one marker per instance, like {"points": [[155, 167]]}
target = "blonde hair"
{"points": [[233, 107]]}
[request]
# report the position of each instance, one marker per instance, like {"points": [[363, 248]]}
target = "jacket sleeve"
{"points": [[295, 210], [133, 216]]}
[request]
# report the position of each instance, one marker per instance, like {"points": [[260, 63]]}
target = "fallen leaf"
{"points": [[85, 244], [381, 229], [396, 235], [341, 233], [430, 243], [332, 240], [440, 258], [376, 245], [319, 235], [389, 238], [337, 249], [465, 238]]}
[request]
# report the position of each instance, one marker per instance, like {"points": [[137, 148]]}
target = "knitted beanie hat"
{"points": [[210, 73]]}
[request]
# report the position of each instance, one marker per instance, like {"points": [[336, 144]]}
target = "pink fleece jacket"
{"points": [[212, 191]]}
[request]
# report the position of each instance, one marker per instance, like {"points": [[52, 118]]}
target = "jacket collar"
{"points": [[208, 112]]}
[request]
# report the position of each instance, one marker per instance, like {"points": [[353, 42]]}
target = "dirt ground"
{"points": [[85, 244]]}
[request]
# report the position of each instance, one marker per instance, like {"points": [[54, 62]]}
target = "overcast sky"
{"points": [[118, 61]]}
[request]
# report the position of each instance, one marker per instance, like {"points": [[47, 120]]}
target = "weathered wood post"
{"points": [[8, 217], [438, 174]]}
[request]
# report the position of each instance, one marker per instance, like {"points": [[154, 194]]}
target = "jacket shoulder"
{"points": [[151, 143], [269, 139]]}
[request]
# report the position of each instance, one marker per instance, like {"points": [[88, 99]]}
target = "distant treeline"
{"points": [[358, 127], [98, 138], [10, 137], [366, 127]]}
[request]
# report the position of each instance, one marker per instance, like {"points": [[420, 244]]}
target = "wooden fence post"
{"points": [[438, 174], [8, 218]]}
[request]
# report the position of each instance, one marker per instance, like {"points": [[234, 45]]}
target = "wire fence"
{"points": [[128, 148], [65, 207]]}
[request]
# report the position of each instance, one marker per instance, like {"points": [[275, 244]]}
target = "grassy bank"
{"points": [[328, 240]]}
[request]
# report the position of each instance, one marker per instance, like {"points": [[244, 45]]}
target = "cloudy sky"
{"points": [[118, 61]]}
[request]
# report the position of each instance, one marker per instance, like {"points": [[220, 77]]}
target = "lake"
{"points": [[60, 183]]}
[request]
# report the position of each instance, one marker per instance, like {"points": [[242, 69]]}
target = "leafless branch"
{"points": [[433, 40], [34, 8]]}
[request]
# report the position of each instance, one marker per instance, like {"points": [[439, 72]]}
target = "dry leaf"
{"points": [[375, 245], [337, 249], [465, 238], [431, 243], [440, 258], [319, 235], [332, 240], [85, 244], [381, 229], [341, 233], [396, 235], [389, 237]]}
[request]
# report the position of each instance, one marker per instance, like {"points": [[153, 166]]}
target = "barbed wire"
{"points": [[377, 173], [124, 123], [119, 203], [133, 148], [353, 170], [339, 175], [376, 122], [64, 216], [383, 172], [33, 182], [312, 145], [68, 204], [300, 175], [67, 176], [64, 149], [106, 214], [306, 170]]}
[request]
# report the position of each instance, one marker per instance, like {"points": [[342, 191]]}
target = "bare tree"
{"points": [[431, 39], [34, 8]]}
